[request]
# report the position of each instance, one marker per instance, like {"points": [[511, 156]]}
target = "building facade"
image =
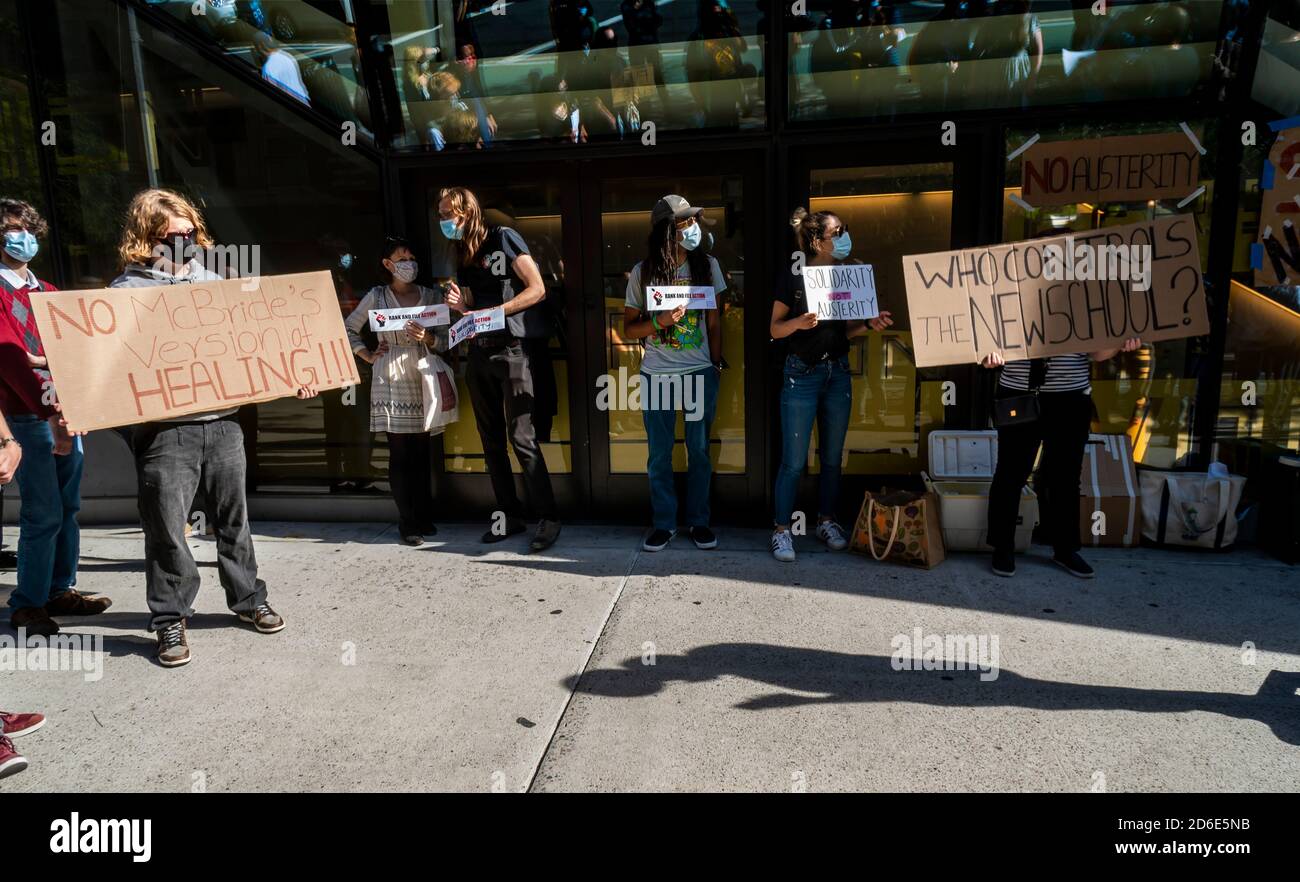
{"points": [[570, 118]]}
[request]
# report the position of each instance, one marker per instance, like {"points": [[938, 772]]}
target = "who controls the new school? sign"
{"points": [[1057, 295]]}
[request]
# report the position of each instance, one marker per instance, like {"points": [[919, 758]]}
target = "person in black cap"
{"points": [[494, 269], [680, 365]]}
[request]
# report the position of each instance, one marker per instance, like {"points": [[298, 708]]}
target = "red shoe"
{"points": [[14, 725], [11, 762]]}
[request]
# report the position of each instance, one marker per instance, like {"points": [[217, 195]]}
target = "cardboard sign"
{"points": [[396, 319], [966, 304], [1276, 256], [1129, 168], [844, 292], [475, 323], [668, 297], [121, 356], [1109, 486]]}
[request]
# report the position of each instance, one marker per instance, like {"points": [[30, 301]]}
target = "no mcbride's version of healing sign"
{"points": [[841, 292], [396, 319], [666, 297], [1016, 299], [120, 356]]}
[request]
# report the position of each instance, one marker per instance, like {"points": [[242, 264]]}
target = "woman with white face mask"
{"points": [[396, 397]]}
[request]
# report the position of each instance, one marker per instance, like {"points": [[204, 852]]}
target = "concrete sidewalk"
{"points": [[457, 666]]}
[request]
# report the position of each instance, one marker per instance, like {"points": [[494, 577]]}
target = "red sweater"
{"points": [[20, 388]]}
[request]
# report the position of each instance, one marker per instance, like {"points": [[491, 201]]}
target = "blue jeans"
{"points": [[660, 431], [49, 540], [821, 392]]}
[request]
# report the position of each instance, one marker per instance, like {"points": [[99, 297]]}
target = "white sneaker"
{"points": [[833, 535], [782, 546]]}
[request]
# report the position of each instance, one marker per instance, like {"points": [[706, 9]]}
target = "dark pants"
{"points": [[1062, 430], [410, 476], [500, 384], [348, 441], [173, 461]]}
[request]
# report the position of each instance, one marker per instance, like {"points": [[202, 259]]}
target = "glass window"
{"points": [[625, 226], [1150, 394], [288, 196], [20, 171], [475, 72], [856, 58], [305, 48], [891, 211], [532, 209]]}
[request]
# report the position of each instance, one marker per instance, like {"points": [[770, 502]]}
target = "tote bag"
{"points": [[901, 526], [1190, 508], [438, 389]]}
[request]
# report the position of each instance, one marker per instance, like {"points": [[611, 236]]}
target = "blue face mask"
{"points": [[345, 261], [21, 245], [691, 237], [843, 244], [449, 229]]}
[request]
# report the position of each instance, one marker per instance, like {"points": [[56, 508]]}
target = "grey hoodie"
{"points": [[137, 275]]}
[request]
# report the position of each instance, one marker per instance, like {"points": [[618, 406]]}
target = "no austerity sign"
{"points": [[120, 356]]}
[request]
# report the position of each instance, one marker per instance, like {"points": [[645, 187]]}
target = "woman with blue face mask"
{"points": [[49, 475], [816, 384]]}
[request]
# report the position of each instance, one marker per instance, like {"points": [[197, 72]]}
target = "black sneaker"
{"points": [[703, 538], [1004, 563], [513, 526], [658, 540], [412, 539], [1073, 564], [547, 533]]}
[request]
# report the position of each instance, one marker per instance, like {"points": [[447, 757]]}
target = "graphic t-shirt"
{"points": [[685, 348]]}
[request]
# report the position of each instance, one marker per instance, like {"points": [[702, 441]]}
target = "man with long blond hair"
{"points": [[174, 458]]}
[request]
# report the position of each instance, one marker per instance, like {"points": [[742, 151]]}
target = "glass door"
{"points": [[896, 199], [616, 207]]}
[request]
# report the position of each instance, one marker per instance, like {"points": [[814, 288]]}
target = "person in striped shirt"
{"points": [[1061, 430]]}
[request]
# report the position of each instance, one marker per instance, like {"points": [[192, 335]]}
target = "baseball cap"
{"points": [[675, 207]]}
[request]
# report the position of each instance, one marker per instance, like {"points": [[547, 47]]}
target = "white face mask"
{"points": [[406, 270]]}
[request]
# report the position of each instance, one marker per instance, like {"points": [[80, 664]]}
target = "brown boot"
{"points": [[35, 619], [73, 603]]}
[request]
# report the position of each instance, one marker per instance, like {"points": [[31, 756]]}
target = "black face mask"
{"points": [[177, 251]]}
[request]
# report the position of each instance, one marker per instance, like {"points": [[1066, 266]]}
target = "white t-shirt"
{"points": [[282, 70]]}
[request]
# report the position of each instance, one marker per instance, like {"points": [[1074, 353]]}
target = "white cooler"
{"points": [[962, 465]]}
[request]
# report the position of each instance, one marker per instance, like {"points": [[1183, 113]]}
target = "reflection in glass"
{"points": [[893, 211]]}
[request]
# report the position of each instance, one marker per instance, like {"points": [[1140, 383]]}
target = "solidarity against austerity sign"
{"points": [[667, 297], [120, 356], [396, 319], [1081, 293], [843, 292]]}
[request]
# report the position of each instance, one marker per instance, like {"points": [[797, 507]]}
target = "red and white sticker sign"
{"points": [[396, 319]]}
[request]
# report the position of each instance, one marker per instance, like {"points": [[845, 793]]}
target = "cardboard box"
{"points": [[962, 464], [1109, 485]]}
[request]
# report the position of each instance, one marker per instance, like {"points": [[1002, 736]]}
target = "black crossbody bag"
{"points": [[1016, 410]]}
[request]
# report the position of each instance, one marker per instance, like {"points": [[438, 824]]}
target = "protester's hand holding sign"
{"points": [[1131, 344], [62, 438], [305, 392], [416, 332], [457, 300], [669, 318]]}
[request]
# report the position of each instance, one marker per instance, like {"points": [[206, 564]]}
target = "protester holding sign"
{"points": [[175, 457], [49, 477], [817, 386], [1047, 403], [396, 396], [495, 271], [682, 346]]}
